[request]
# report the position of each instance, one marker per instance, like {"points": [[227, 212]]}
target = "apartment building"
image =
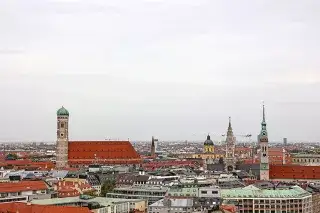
{"points": [[269, 200]]}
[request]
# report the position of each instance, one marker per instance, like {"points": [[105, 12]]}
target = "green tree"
{"points": [[12, 156], [107, 187], [90, 193]]}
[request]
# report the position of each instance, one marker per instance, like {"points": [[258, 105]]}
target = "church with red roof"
{"points": [[76, 153]]}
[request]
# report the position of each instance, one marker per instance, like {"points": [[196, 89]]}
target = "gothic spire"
{"points": [[264, 114], [263, 123], [229, 128]]}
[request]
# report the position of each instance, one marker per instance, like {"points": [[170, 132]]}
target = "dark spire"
{"points": [[153, 148], [264, 115], [208, 137], [152, 142], [230, 132], [263, 123]]}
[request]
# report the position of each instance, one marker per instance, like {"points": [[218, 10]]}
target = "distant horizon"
{"points": [[216, 142]]}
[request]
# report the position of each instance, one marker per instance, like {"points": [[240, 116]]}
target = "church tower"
{"points": [[153, 148], [62, 138], [264, 147], [208, 146], [230, 147]]}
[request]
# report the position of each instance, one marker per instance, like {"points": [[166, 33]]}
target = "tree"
{"points": [[90, 193], [107, 187], [12, 156]]}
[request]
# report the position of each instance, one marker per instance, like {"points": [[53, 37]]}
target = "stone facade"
{"points": [[230, 147], [264, 153], [62, 140]]}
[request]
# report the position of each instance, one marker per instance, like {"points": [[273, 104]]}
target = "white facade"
{"points": [[209, 192]]}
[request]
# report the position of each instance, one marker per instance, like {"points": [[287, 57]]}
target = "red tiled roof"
{"points": [[22, 186], [28, 163], [294, 172], [71, 189], [117, 152], [31, 208]]}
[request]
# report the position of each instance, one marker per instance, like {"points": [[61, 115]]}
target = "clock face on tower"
{"points": [[264, 166]]}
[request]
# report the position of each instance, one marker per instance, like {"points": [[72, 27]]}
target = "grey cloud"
{"points": [[170, 68]]}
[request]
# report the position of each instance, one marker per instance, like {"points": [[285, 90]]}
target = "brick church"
{"points": [[77, 153]]}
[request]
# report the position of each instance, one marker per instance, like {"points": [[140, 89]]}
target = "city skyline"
{"points": [[170, 69]]}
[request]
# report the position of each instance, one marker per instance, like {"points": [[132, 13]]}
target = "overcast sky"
{"points": [[175, 69]]}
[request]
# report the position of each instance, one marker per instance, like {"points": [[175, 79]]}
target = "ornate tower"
{"points": [[208, 146], [264, 153], [153, 148], [62, 138], [230, 147]]}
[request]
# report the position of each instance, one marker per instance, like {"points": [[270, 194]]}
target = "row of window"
{"points": [[304, 160], [212, 192]]}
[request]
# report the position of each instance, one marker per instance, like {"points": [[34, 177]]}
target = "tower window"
{"points": [[61, 134], [62, 125]]}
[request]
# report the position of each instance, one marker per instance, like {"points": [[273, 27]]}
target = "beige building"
{"points": [[306, 159], [256, 200]]}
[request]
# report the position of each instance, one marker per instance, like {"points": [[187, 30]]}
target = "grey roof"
{"points": [[185, 202], [255, 168], [93, 180], [142, 178], [215, 167], [231, 184], [58, 173], [101, 200]]}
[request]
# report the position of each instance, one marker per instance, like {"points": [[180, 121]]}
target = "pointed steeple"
{"points": [[208, 137], [263, 123], [230, 132], [153, 148], [264, 114]]}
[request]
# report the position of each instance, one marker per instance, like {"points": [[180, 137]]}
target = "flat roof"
{"points": [[143, 188], [104, 201], [293, 192]]}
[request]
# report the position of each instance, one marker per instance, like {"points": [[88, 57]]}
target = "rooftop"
{"points": [[102, 151], [143, 188], [25, 208], [22, 186], [305, 155], [101, 200], [295, 172], [254, 192]]}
